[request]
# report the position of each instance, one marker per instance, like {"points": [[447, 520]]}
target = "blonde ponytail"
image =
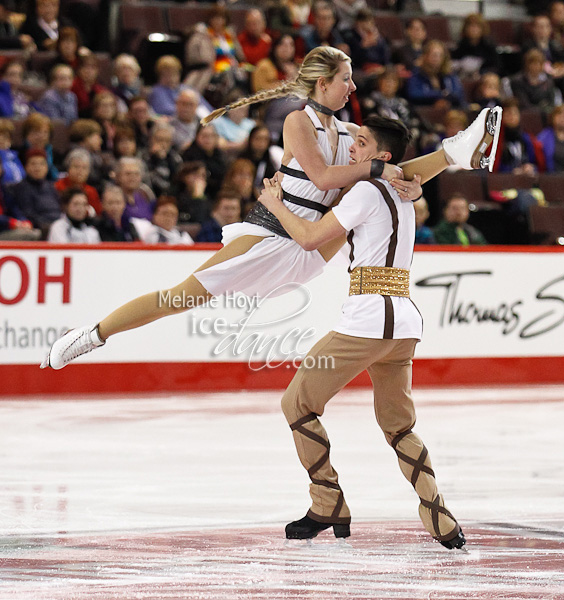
{"points": [[290, 88], [323, 61]]}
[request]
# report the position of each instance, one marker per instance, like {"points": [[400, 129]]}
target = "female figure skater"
{"points": [[316, 165]]}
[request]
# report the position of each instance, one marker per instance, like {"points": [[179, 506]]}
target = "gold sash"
{"points": [[386, 281]]}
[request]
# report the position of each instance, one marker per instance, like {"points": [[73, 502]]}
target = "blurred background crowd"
{"points": [[100, 108]]}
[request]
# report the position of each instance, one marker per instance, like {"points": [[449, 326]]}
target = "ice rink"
{"points": [[187, 497]]}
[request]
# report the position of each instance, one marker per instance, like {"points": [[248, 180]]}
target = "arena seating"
{"points": [[546, 223]]}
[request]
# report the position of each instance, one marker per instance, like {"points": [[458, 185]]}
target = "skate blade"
{"points": [[339, 544], [45, 362], [494, 120], [293, 543], [464, 550], [479, 159]]}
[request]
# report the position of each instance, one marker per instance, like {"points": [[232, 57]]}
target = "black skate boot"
{"points": [[308, 528], [456, 542]]}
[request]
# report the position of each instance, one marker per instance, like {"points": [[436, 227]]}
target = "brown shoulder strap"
{"points": [[390, 256]]}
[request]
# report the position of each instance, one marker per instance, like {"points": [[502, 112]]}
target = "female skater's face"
{"points": [[336, 94], [364, 147]]}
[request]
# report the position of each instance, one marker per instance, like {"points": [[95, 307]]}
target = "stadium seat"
{"points": [[34, 91], [503, 32], [41, 61], [507, 181], [182, 18], [137, 21], [471, 184], [390, 26], [8, 55], [60, 137], [546, 223], [431, 114], [438, 28], [552, 185]]}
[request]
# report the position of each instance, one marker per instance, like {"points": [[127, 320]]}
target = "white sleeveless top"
{"points": [[304, 188]]}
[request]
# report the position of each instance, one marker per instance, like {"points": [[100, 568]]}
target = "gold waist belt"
{"points": [[386, 281]]}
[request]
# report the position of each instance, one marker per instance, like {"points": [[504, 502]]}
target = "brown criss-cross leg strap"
{"points": [[299, 427], [417, 464], [435, 509]]}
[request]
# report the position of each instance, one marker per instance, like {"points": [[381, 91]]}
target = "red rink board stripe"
{"points": [[20, 380]]}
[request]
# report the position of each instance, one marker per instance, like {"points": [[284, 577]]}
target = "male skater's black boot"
{"points": [[308, 528], [456, 542]]}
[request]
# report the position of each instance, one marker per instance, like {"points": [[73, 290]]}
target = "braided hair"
{"points": [[323, 61]]}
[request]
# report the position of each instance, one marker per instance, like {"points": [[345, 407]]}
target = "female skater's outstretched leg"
{"points": [[144, 309]]}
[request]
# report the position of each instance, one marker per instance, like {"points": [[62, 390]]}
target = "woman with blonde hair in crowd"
{"points": [[105, 113], [259, 258], [488, 91], [433, 83], [163, 95], [127, 83]]}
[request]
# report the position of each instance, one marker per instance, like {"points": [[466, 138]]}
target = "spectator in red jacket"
{"points": [[78, 163], [86, 85], [254, 40]]}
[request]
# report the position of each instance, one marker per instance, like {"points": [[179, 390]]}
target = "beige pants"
{"points": [[388, 363]]}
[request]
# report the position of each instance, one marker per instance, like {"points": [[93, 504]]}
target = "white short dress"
{"points": [[273, 264]]}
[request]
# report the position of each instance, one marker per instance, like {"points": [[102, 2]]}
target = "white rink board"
{"points": [[474, 304]]}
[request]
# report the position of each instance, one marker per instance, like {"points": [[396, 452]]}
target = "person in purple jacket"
{"points": [[552, 140]]}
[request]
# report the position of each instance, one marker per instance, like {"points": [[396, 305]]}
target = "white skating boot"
{"points": [[71, 345], [467, 149]]}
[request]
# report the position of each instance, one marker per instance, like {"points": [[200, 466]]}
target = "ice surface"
{"points": [[187, 497]]}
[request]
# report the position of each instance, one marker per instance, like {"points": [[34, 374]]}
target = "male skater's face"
{"points": [[364, 147]]}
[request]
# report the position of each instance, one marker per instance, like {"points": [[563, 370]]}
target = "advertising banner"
{"points": [[484, 304]]}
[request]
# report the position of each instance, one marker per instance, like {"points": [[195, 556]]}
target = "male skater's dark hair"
{"points": [[392, 135]]}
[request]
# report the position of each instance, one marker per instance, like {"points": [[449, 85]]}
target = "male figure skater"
{"points": [[378, 331]]}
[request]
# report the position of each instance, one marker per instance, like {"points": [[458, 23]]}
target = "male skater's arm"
{"points": [[308, 235]]}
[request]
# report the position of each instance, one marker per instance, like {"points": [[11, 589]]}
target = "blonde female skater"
{"points": [[258, 256]]}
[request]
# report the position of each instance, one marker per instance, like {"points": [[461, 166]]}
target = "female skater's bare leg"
{"points": [[156, 305], [142, 310], [428, 166]]}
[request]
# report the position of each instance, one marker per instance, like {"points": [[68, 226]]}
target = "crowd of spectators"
{"points": [[139, 166]]}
